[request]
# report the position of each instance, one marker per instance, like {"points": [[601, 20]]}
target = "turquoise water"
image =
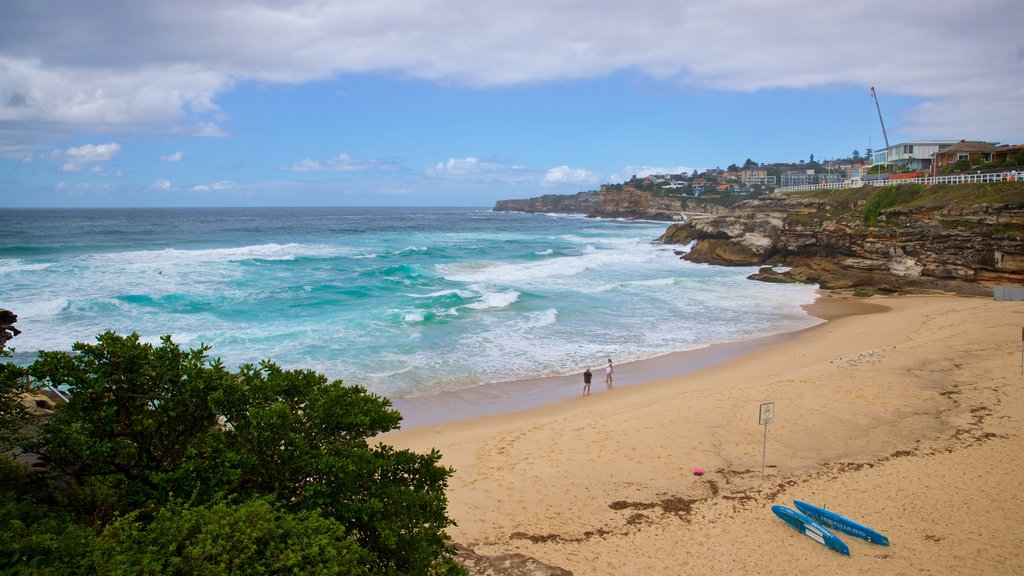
{"points": [[407, 302]]}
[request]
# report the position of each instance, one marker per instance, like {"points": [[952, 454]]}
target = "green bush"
{"points": [[255, 537], [887, 197], [161, 449]]}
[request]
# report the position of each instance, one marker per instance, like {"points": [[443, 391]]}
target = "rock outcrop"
{"points": [[611, 202], [963, 248], [7, 329]]}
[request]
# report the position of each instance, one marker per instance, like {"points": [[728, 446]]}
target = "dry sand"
{"points": [[909, 420]]}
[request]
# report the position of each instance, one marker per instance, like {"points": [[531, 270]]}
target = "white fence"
{"points": [[975, 178]]}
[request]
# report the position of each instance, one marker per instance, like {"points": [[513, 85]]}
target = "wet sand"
{"points": [[508, 397], [909, 420]]}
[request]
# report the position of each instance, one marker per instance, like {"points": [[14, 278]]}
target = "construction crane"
{"points": [[880, 121]]}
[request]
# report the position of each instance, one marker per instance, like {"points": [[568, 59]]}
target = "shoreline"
{"points": [[530, 393], [909, 421]]}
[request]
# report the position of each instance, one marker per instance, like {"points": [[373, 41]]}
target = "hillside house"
{"points": [[915, 155], [756, 176], [1006, 153], [976, 152]]}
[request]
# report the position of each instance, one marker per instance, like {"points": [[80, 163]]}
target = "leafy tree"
{"points": [[13, 416], [856, 154], [304, 440], [164, 436], [749, 164], [255, 537], [136, 410]]}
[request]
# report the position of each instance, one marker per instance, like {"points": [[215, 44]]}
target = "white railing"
{"points": [[976, 178]]}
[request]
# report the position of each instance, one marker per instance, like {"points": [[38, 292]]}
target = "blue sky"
{"points": [[464, 102]]}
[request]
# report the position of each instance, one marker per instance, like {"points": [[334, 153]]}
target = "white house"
{"points": [[912, 155]]}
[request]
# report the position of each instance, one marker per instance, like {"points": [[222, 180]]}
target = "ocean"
{"points": [[407, 302]]}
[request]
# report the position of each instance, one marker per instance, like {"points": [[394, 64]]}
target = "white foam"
{"points": [[172, 257], [412, 249], [509, 273], [414, 316], [495, 300], [38, 310], [181, 339], [12, 266], [543, 318], [439, 293]]}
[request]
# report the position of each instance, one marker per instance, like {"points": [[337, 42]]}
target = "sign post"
{"points": [[766, 415]]}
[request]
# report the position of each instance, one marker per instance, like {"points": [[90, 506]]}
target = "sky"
{"points": [[464, 102]]}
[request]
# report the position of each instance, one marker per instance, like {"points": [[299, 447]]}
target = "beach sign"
{"points": [[765, 416]]}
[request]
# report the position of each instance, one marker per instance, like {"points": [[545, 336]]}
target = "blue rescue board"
{"points": [[837, 522], [811, 529]]}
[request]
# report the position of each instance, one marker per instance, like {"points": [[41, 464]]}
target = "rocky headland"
{"points": [[940, 239], [964, 239], [613, 203]]}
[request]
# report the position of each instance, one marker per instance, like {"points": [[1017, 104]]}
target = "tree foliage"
{"points": [[13, 416], [162, 446]]}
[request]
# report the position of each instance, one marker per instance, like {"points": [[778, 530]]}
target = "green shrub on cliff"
{"points": [[164, 461], [887, 197]]}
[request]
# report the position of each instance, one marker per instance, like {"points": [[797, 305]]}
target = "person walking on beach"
{"points": [[586, 381], [608, 374]]}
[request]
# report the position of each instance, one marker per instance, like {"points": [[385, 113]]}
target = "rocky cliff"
{"points": [[636, 204], [610, 202], [582, 203], [955, 243]]}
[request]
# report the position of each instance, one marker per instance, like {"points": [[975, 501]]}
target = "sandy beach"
{"points": [[905, 413]]}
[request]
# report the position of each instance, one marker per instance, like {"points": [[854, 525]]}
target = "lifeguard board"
{"points": [[837, 522], [811, 529]]}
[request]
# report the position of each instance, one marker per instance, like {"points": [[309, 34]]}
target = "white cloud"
{"points": [[462, 167], [76, 158], [198, 130], [476, 170], [62, 185], [342, 163], [161, 66], [566, 175], [160, 184], [628, 172], [215, 187], [175, 157]]}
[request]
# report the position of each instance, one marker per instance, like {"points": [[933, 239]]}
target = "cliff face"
{"points": [[582, 203], [607, 203], [636, 204], [964, 249]]}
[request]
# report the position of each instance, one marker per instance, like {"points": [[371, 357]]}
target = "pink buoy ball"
{"points": [[698, 471]]}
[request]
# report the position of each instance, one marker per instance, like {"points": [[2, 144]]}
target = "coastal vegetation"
{"points": [[165, 462], [871, 201]]}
